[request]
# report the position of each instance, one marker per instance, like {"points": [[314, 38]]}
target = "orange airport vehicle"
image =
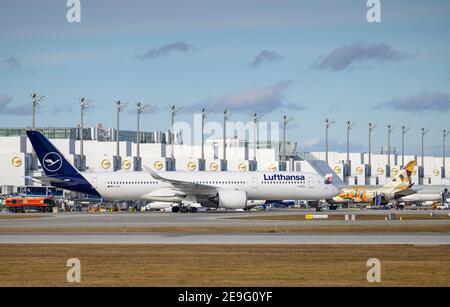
{"points": [[22, 204]]}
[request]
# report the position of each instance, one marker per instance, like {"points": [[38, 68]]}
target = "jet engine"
{"points": [[228, 199]]}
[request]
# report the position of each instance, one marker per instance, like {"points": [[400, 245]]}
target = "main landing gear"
{"points": [[184, 209]]}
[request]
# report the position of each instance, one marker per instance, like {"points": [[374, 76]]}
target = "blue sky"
{"points": [[309, 59]]}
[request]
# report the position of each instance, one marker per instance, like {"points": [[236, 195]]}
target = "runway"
{"points": [[285, 238]]}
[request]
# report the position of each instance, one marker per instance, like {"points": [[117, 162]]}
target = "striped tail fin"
{"points": [[403, 178]]}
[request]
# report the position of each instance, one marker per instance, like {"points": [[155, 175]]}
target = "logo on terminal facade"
{"points": [[52, 162], [214, 166], [16, 161], [158, 165]]}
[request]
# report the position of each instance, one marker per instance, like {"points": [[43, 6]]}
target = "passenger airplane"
{"points": [[399, 187], [428, 193], [211, 189]]}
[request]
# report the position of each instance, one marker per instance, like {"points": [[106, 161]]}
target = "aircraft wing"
{"points": [[405, 192], [184, 186]]}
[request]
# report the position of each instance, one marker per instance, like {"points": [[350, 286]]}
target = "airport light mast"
{"points": [[372, 126], [139, 109], [286, 120], [256, 119], [423, 132], [404, 131], [350, 125], [226, 116], [119, 108], [36, 101], [204, 116], [174, 111], [390, 129], [328, 124], [84, 104], [445, 133]]}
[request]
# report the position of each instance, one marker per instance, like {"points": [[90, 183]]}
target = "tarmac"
{"points": [[68, 220], [178, 238]]}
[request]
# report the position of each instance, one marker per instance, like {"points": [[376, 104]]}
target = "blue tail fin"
{"points": [[53, 162], [55, 166]]}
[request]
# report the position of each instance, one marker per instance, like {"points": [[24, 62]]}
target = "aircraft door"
{"points": [[254, 182], [309, 182]]}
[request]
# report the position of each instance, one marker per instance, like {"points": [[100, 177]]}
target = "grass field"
{"points": [[21, 216], [224, 265]]}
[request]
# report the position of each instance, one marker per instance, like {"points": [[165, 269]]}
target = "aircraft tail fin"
{"points": [[404, 175], [52, 160]]}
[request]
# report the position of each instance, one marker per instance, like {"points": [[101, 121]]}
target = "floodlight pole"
{"points": [[390, 129], [256, 118], [423, 132], [203, 134], [404, 131], [226, 116], [371, 128], [33, 124], [328, 124], [349, 127], [445, 133], [286, 120], [174, 111]]}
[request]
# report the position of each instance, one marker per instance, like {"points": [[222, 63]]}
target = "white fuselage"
{"points": [[122, 185], [424, 193]]}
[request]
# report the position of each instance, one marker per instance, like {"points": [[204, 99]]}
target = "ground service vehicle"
{"points": [[22, 204]]}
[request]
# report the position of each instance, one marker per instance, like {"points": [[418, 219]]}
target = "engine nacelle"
{"points": [[228, 199], [232, 199], [389, 195]]}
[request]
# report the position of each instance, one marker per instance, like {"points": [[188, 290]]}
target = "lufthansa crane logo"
{"points": [[106, 164], [126, 164], [158, 165], [52, 162], [242, 167], [16, 161], [214, 166], [192, 166]]}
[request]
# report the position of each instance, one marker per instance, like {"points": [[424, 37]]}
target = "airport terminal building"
{"points": [[161, 151]]}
